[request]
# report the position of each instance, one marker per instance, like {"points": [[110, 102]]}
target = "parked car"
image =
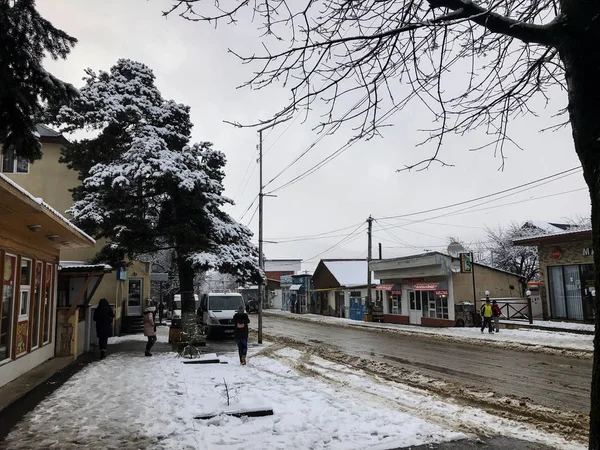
{"points": [[216, 312]]}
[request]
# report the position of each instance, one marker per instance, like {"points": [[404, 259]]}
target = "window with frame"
{"points": [[37, 305], [47, 303], [6, 307], [25, 289], [11, 163], [441, 303]]}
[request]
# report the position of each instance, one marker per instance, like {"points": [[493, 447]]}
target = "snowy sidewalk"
{"points": [[531, 338], [128, 401]]}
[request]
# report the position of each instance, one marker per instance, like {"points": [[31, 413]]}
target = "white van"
{"points": [[175, 311], [217, 310]]}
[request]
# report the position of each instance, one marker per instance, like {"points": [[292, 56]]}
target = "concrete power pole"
{"points": [[260, 235], [369, 257], [261, 262]]}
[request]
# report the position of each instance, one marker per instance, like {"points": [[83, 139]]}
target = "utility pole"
{"points": [[369, 257], [380, 251], [261, 262], [260, 234]]}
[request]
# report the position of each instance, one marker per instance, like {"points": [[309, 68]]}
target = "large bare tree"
{"points": [[511, 54]]}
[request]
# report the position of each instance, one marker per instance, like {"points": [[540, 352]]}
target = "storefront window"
{"points": [[25, 289], [37, 305], [8, 292], [441, 303], [47, 303], [571, 291]]}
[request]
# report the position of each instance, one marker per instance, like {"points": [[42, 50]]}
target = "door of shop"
{"points": [[357, 310], [134, 298], [416, 307]]}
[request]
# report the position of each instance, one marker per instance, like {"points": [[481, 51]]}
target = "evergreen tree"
{"points": [[144, 187], [27, 90]]}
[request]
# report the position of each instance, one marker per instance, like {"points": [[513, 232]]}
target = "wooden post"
{"points": [[81, 293]]}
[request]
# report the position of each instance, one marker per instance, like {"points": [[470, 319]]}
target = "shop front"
{"points": [[31, 237], [566, 274], [423, 289]]}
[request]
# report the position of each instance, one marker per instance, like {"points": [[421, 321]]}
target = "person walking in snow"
{"points": [[241, 321], [149, 329], [103, 316], [496, 313], [486, 314]]}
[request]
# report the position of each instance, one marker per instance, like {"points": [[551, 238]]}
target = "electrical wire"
{"points": [[569, 172]]}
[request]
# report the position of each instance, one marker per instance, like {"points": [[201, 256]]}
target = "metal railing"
{"points": [[517, 311]]}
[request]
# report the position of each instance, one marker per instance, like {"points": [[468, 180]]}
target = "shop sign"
{"points": [[425, 286], [442, 293], [466, 263], [384, 287], [588, 252], [556, 253], [286, 279], [396, 292]]}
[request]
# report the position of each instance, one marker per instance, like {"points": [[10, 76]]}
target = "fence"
{"points": [[517, 310]]}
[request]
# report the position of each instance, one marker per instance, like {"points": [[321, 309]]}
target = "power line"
{"points": [[315, 235], [333, 155], [253, 214], [248, 209], [469, 210], [570, 171]]}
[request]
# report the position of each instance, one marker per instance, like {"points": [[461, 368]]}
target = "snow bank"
{"points": [[132, 402], [523, 336]]}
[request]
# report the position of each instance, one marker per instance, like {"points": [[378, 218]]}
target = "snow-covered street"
{"points": [[128, 401], [547, 341]]}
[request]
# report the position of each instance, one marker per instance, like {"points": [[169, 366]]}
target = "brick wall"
{"points": [[570, 253], [396, 318], [433, 322]]}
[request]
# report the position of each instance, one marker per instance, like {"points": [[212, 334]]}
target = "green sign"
{"points": [[466, 263]]}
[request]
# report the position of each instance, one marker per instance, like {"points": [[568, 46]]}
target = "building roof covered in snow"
{"points": [[546, 227], [341, 273], [574, 234], [47, 134]]}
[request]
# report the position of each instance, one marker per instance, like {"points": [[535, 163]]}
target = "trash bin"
{"points": [[464, 315], [175, 331]]}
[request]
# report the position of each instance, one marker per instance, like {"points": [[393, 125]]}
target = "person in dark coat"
{"points": [[241, 321], [103, 316]]}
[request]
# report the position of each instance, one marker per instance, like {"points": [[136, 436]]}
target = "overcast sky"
{"points": [[193, 66]]}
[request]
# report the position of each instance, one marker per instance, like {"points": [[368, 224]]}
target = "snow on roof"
{"points": [[533, 237], [547, 227], [82, 265], [45, 131], [49, 208], [349, 272]]}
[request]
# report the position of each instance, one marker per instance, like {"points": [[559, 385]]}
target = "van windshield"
{"points": [[225, 302]]}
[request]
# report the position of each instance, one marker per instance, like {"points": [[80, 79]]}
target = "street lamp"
{"points": [[529, 306]]}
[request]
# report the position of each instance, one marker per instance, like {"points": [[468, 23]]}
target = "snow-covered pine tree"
{"points": [[145, 188], [28, 90]]}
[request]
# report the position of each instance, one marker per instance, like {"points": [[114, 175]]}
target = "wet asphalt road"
{"points": [[555, 381]]}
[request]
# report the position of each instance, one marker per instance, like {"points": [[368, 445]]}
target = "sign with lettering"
{"points": [[588, 252], [441, 293], [466, 262], [384, 287], [425, 286]]}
